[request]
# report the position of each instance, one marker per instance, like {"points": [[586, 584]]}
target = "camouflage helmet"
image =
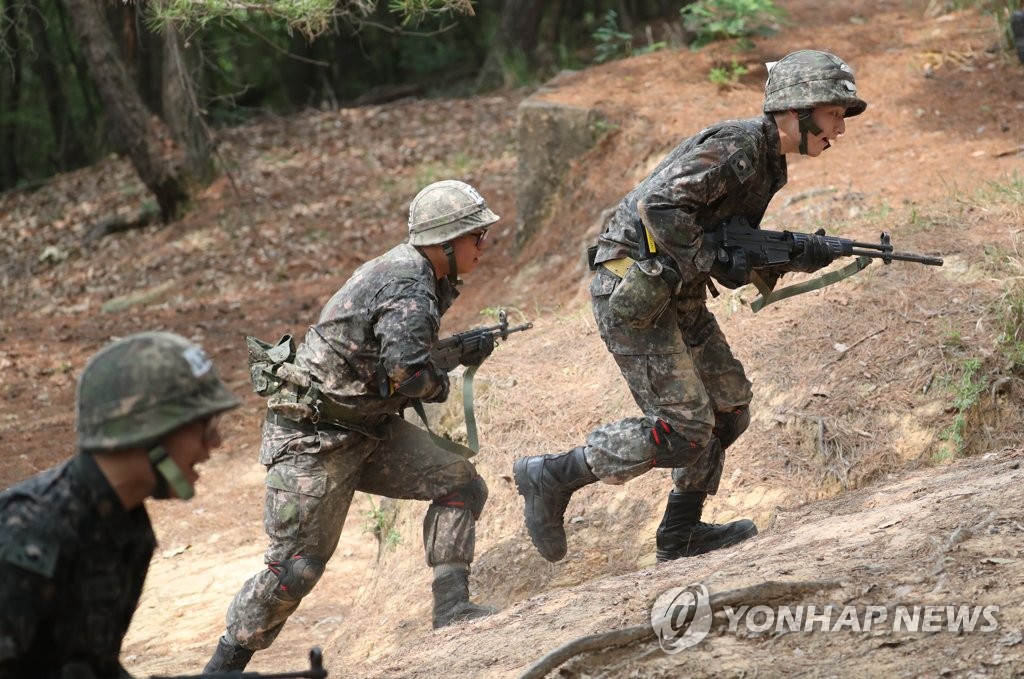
{"points": [[140, 388], [445, 210], [809, 78]]}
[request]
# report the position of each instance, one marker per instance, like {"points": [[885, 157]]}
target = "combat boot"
{"points": [[682, 533], [451, 596], [228, 656], [546, 483]]}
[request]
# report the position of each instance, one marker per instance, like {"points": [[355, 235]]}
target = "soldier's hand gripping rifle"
{"points": [[471, 347], [316, 671], [744, 254]]}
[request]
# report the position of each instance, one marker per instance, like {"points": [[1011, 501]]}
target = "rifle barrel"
{"points": [[900, 256]]}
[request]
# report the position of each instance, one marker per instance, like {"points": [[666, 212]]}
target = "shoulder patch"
{"points": [[741, 165], [32, 554]]}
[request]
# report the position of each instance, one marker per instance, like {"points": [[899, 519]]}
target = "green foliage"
{"points": [[1010, 316], [967, 386], [414, 11], [741, 20], [381, 524], [309, 17], [1011, 190], [610, 42], [601, 127], [724, 76]]}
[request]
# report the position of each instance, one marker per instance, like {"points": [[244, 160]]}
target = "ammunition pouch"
{"points": [[270, 365], [293, 394], [646, 290]]}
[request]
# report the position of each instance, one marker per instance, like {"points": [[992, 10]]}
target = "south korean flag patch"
{"points": [[741, 165]]}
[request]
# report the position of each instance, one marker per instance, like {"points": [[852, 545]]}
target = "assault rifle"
{"points": [[449, 352], [741, 251], [316, 671]]}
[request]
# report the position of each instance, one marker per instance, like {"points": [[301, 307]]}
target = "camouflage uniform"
{"points": [[680, 369], [73, 558], [72, 565], [387, 314], [648, 296]]}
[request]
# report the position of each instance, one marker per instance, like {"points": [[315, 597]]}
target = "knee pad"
{"points": [[672, 450], [297, 576], [471, 496], [730, 424]]}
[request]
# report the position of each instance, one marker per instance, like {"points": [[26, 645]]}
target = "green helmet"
{"points": [[137, 389], [445, 210], [809, 78]]}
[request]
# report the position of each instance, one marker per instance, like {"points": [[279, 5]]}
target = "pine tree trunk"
{"points": [[181, 106], [133, 130], [519, 27]]}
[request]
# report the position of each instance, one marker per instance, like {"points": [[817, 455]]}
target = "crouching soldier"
{"points": [[333, 424]]}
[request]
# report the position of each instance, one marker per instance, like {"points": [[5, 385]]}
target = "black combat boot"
{"points": [[451, 596], [682, 533], [547, 482], [228, 656]]}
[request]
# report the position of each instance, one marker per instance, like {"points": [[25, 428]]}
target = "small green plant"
{"points": [[724, 76], [967, 390], [599, 128], [1010, 312], [741, 20], [381, 523], [610, 42], [954, 339]]}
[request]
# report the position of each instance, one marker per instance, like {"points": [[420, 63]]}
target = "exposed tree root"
{"points": [[755, 595]]}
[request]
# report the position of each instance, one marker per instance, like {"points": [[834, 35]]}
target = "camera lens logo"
{"points": [[681, 617]]}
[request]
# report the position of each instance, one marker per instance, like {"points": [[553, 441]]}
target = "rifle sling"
{"points": [[769, 296], [467, 404], [467, 407]]}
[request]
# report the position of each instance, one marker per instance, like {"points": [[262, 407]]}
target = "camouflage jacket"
{"points": [[72, 566], [387, 314], [730, 169]]}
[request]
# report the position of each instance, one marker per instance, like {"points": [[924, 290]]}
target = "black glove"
{"points": [[816, 254], [731, 268], [476, 348], [443, 385]]}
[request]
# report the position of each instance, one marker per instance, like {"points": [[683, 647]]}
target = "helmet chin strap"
{"points": [[168, 476], [806, 125], [453, 267]]}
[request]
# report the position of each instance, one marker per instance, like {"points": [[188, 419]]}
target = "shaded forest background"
{"points": [[195, 78], [154, 81]]}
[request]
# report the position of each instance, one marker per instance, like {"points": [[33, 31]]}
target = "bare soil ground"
{"points": [[848, 468]]}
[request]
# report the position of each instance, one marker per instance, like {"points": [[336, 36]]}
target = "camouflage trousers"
{"points": [[679, 369], [311, 480]]}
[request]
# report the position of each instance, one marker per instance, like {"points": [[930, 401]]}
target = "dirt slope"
{"points": [[845, 468]]}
